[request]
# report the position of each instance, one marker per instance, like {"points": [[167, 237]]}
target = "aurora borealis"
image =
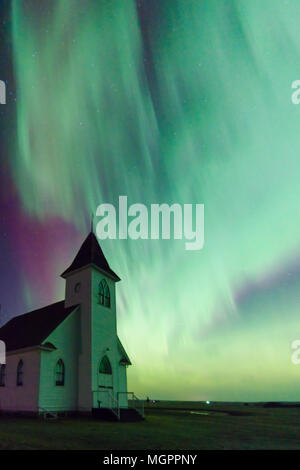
{"points": [[169, 101]]}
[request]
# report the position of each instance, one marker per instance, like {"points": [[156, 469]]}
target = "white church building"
{"points": [[67, 357]]}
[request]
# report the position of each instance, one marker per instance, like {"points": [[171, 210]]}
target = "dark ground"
{"points": [[168, 425]]}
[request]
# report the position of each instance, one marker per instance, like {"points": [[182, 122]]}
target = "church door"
{"points": [[105, 382]]}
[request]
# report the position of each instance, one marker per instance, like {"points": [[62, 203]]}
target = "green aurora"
{"points": [[185, 101]]}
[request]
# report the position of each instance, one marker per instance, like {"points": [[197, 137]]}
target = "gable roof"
{"points": [[31, 329], [125, 359], [90, 253]]}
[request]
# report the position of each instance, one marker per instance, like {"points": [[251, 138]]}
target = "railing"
{"points": [[105, 399], [47, 414], [133, 402]]}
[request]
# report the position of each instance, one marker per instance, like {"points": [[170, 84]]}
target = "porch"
{"points": [[124, 406]]}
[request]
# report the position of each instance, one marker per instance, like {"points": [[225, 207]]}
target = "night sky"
{"points": [[183, 101]]}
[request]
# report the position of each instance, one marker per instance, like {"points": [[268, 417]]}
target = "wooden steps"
{"points": [[126, 414]]}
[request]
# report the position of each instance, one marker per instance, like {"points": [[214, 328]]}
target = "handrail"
{"points": [[45, 412], [113, 403], [141, 403], [117, 407], [137, 403]]}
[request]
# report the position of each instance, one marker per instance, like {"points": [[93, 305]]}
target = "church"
{"points": [[67, 357]]}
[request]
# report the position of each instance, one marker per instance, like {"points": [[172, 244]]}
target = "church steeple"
{"points": [[90, 253], [91, 286]]}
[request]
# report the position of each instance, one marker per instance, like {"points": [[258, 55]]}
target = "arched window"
{"points": [[20, 373], [60, 373], [105, 379], [2, 375], [105, 367], [104, 294]]}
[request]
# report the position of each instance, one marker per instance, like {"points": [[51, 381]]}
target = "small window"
{"points": [[104, 294], [2, 375], [20, 373], [77, 287], [60, 373]]}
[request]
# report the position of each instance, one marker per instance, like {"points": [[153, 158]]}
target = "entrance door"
{"points": [[105, 383]]}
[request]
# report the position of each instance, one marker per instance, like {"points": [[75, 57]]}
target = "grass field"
{"points": [[168, 425]]}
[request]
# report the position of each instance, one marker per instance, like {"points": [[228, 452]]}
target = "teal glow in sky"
{"points": [[183, 101]]}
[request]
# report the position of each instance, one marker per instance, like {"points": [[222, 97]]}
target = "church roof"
{"points": [[31, 329], [125, 359], [90, 253]]}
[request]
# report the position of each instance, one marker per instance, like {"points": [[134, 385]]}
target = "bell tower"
{"points": [[91, 283]]}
